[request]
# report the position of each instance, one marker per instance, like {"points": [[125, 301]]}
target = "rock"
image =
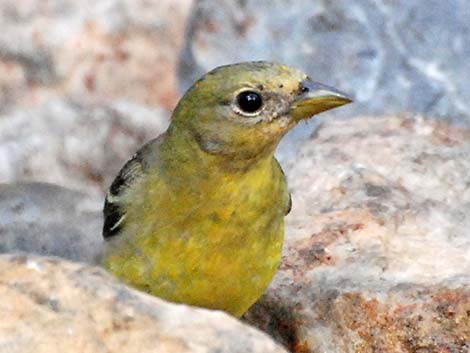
{"points": [[92, 50], [49, 220], [377, 246], [395, 56], [59, 306], [377, 243], [83, 85], [76, 145]]}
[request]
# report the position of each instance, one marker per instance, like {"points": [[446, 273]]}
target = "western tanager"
{"points": [[196, 216]]}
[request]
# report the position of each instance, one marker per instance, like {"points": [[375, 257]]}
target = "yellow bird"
{"points": [[197, 215]]}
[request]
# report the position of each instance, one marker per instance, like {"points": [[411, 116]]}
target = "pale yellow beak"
{"points": [[315, 98]]}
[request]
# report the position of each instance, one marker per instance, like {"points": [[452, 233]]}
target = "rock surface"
{"points": [[58, 306], [94, 50], [377, 253], [76, 145], [49, 220], [395, 56], [83, 84]]}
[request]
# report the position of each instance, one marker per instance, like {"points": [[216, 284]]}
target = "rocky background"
{"points": [[377, 253]]}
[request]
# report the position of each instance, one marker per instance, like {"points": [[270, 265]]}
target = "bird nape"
{"points": [[197, 215]]}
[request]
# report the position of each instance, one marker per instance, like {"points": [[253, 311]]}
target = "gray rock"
{"points": [[76, 145], [377, 243], [394, 56], [49, 220], [50, 305], [376, 257]]}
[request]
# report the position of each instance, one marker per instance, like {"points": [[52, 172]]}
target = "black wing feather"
{"points": [[289, 205], [113, 210], [112, 216]]}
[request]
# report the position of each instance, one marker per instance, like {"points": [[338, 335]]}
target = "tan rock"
{"points": [[377, 244], [95, 50], [49, 305], [377, 253]]}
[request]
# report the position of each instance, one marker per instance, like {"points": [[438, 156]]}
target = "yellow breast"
{"points": [[214, 246]]}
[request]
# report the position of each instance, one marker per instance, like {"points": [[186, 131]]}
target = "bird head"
{"points": [[241, 111]]}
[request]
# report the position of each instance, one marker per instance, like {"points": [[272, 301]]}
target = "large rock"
{"points": [[377, 243], [49, 305], [73, 144], [395, 56], [377, 253], [93, 50], [49, 220], [83, 84]]}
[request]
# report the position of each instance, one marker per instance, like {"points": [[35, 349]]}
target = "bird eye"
{"points": [[249, 101]]}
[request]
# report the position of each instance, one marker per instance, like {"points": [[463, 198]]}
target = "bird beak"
{"points": [[315, 98]]}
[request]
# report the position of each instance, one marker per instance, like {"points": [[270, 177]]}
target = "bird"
{"points": [[196, 216]]}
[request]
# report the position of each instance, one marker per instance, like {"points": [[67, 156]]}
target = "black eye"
{"points": [[249, 101]]}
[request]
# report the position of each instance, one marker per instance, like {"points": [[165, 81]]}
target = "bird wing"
{"points": [[289, 204], [289, 195], [133, 170]]}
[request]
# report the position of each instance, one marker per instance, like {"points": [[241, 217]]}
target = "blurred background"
{"points": [[84, 83]]}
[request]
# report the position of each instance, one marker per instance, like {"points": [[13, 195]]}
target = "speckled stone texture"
{"points": [[394, 56], [83, 84], [95, 50], [377, 252], [49, 305], [73, 144]]}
